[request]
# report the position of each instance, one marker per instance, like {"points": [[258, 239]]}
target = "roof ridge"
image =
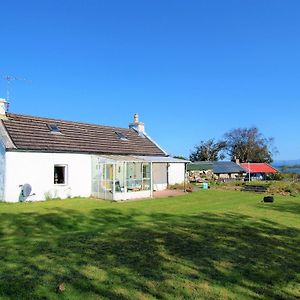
{"points": [[29, 133], [64, 121]]}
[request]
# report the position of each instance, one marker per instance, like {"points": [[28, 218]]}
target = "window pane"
{"points": [[134, 176], [120, 177], [146, 176], [53, 128], [59, 174], [146, 170]]}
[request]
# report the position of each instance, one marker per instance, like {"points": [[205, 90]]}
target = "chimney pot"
{"points": [[137, 125], [136, 118]]}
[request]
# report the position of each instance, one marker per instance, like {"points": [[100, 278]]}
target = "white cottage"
{"points": [[43, 158]]}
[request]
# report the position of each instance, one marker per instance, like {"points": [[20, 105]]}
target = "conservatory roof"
{"points": [[153, 159], [122, 158], [163, 159]]}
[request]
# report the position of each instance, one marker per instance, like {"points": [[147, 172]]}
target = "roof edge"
{"points": [[77, 152], [66, 121], [155, 143], [5, 137]]}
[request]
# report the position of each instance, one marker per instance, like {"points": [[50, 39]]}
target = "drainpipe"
{"points": [[114, 181], [168, 165], [151, 180], [184, 182]]}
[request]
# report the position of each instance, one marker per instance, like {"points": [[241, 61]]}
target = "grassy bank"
{"points": [[206, 245], [284, 188]]}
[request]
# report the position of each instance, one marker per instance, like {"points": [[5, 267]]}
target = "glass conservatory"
{"points": [[121, 177]]}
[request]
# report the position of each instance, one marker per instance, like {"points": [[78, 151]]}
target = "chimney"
{"points": [[3, 108], [136, 125]]}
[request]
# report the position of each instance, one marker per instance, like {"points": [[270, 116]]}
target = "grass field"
{"points": [[205, 245]]}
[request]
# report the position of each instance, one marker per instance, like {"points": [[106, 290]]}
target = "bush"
{"points": [[292, 189], [275, 176]]}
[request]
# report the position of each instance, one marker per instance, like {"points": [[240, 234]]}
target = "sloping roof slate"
{"points": [[258, 168], [33, 134], [227, 167], [218, 167]]}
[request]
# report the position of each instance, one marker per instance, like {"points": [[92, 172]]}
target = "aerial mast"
{"points": [[8, 80]]}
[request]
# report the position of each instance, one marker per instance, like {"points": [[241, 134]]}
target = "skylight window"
{"points": [[121, 136], [53, 128]]}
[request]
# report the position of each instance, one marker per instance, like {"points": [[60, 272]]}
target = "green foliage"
{"points": [[208, 151], [275, 176], [290, 176], [293, 189], [48, 196], [204, 245], [249, 145]]}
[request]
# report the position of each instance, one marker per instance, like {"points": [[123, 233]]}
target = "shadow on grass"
{"points": [[113, 254], [290, 206]]}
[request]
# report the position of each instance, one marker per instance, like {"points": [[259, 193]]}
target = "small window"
{"points": [[53, 128], [60, 175], [121, 136]]}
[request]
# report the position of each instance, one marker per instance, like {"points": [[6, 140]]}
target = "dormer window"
{"points": [[121, 136], [53, 128]]}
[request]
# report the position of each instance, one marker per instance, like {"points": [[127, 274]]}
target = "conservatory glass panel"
{"points": [[107, 179], [146, 184], [134, 176], [120, 177]]}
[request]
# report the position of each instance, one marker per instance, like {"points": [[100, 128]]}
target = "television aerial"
{"points": [[9, 79]]}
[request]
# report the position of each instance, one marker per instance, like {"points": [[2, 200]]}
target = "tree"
{"points": [[208, 151], [249, 145]]}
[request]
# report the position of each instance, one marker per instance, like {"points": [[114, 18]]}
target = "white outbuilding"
{"points": [[42, 158]]}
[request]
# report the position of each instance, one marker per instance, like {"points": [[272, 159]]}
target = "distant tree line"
{"points": [[244, 144]]}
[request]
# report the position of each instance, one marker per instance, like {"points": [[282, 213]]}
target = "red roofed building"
{"points": [[258, 170]]}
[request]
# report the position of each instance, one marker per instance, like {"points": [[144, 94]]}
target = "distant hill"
{"points": [[288, 166], [279, 163]]}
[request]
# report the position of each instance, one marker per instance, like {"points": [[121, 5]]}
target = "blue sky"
{"points": [[191, 69]]}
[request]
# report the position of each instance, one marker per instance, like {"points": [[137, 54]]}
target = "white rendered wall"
{"points": [[2, 171], [37, 169], [160, 176], [176, 173], [132, 195]]}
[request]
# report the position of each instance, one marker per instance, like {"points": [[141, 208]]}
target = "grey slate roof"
{"points": [[226, 167], [218, 167], [30, 133]]}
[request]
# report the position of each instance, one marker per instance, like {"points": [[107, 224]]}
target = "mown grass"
{"points": [[206, 245]]}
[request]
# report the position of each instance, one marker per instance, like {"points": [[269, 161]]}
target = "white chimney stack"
{"points": [[3, 108], [136, 125]]}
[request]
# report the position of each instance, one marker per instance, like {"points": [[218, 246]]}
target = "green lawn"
{"points": [[205, 245]]}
